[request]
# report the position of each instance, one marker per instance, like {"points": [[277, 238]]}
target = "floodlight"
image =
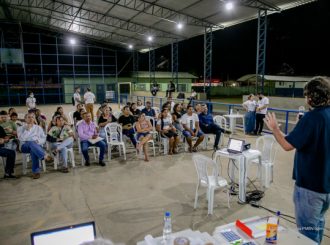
{"points": [[229, 6], [130, 46], [179, 26], [150, 38], [72, 41]]}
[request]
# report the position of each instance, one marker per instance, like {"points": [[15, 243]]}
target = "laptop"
{"points": [[68, 235], [235, 146]]}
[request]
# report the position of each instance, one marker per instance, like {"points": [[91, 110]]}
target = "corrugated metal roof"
{"points": [[276, 78], [124, 22]]}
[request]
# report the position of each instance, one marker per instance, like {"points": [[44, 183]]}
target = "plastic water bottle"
{"points": [[167, 230]]}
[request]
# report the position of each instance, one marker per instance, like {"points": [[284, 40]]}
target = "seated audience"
{"points": [[127, 120], [209, 127], [87, 130], [190, 124], [104, 119], [10, 155], [10, 129], [62, 139], [101, 110], [11, 110], [143, 128], [14, 119], [148, 111], [176, 117], [167, 130], [198, 108], [135, 111], [60, 112], [52, 122], [32, 137], [171, 104], [139, 105]]}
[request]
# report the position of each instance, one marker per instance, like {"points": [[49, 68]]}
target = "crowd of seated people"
{"points": [[45, 141]]}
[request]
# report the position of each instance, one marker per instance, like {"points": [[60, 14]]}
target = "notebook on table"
{"points": [[68, 235]]}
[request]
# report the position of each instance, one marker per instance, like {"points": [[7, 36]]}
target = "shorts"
{"points": [[139, 135], [187, 134], [169, 134]]}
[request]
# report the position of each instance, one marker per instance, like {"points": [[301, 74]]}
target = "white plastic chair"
{"points": [[71, 157], [116, 114], [211, 182], [26, 158], [222, 122], [267, 145], [114, 134], [149, 141], [70, 117]]}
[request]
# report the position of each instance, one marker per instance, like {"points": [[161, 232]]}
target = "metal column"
{"points": [[135, 66], [41, 71], [152, 66], [207, 58], [261, 50], [175, 64]]}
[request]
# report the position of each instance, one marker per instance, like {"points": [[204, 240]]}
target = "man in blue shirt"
{"points": [[148, 111], [208, 126], [311, 139]]}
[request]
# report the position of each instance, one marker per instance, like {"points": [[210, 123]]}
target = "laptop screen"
{"points": [[69, 235], [235, 145]]}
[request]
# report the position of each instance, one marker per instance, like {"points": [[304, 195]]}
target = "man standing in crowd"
{"points": [[87, 129], [89, 98], [10, 155], [209, 127], [31, 102], [261, 112], [170, 89], [77, 97], [311, 171]]}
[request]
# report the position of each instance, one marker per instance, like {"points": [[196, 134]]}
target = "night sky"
{"points": [[299, 37]]}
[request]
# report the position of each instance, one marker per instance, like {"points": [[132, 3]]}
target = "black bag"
{"points": [[51, 139], [72, 100]]}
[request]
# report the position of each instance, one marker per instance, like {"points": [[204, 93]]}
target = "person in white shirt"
{"points": [[31, 102], [190, 122], [77, 97], [250, 115], [90, 99], [139, 105], [32, 137], [261, 112]]}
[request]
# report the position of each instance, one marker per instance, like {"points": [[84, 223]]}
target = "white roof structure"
{"points": [[275, 78], [131, 22]]}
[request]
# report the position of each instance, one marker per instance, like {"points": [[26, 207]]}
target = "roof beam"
{"points": [[164, 13], [92, 16], [62, 24], [260, 4], [5, 9]]}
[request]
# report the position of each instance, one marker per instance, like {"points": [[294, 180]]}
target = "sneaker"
{"points": [[102, 163], [35, 175], [215, 148], [9, 176], [87, 163], [65, 170]]}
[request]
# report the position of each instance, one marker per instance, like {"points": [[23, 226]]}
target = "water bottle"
{"points": [[167, 230]]}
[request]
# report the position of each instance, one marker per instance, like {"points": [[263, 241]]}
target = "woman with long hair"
{"points": [[143, 128]]}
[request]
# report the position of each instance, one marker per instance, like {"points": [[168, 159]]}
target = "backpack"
{"points": [[72, 100]]}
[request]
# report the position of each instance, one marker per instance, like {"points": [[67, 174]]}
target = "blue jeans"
{"points": [[130, 134], [37, 153], [62, 147], [84, 148], [250, 121], [310, 208]]}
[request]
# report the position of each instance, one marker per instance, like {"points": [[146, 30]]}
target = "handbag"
{"points": [[52, 139]]}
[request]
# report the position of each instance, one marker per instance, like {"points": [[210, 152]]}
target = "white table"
{"points": [[285, 236], [232, 121], [242, 159]]}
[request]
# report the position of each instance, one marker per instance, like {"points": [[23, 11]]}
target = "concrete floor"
{"points": [[126, 199]]}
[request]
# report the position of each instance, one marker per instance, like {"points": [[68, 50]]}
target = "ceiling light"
{"points": [[229, 6], [130, 46], [72, 41], [179, 26], [150, 38]]}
